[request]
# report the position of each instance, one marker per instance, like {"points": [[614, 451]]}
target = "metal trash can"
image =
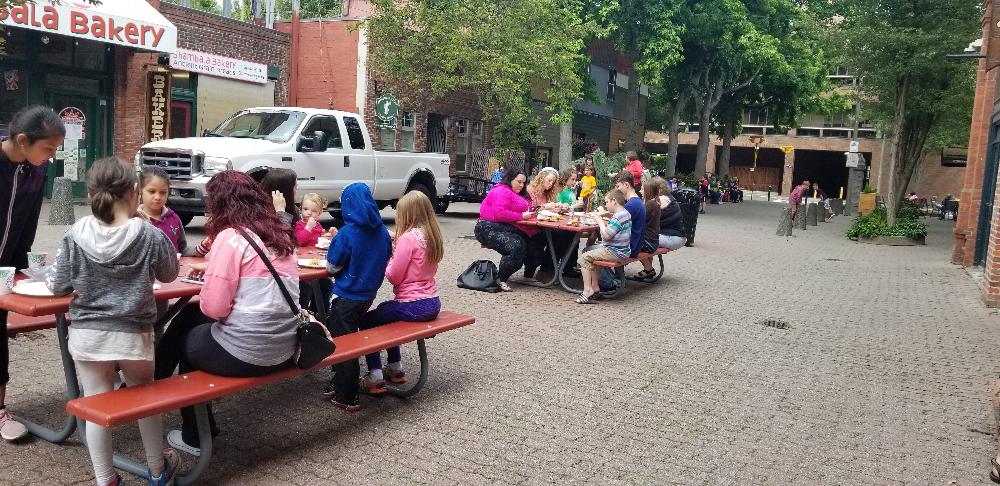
{"points": [[690, 201]]}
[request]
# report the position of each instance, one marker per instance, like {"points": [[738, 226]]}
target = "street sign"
{"points": [[787, 148], [852, 159], [855, 146]]}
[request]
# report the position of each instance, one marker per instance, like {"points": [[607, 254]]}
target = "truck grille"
{"points": [[179, 165]]}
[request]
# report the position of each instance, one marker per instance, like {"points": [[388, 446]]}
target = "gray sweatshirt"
{"points": [[112, 270]]}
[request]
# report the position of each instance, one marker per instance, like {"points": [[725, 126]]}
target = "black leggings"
{"points": [[188, 344], [512, 244], [4, 351]]}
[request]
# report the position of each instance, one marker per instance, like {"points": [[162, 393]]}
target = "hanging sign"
{"points": [[75, 122], [218, 66], [158, 103], [787, 148], [852, 159], [386, 110]]}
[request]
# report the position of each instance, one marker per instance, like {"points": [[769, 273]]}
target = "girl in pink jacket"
{"points": [[417, 249]]}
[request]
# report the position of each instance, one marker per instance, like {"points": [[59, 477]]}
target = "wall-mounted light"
{"points": [[621, 143], [45, 39]]}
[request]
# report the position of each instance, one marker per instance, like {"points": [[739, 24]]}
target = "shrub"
{"points": [[874, 224]]}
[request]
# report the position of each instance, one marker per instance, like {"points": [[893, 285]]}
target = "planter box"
{"points": [[866, 203], [892, 241]]}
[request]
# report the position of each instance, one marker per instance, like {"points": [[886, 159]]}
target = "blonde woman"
{"points": [[544, 188], [417, 249]]}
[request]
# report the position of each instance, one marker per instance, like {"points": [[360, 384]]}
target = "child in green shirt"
{"points": [[567, 179]]}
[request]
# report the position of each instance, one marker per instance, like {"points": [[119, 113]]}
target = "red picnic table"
{"points": [[559, 264], [182, 291]]}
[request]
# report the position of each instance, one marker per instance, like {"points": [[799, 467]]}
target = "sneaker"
{"points": [[171, 463], [116, 482], [176, 440], [10, 428], [394, 376], [372, 387], [347, 407]]}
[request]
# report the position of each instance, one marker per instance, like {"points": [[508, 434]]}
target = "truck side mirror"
{"points": [[320, 141]]}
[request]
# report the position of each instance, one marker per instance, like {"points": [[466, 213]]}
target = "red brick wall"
{"points": [[963, 251], [327, 64], [197, 31]]}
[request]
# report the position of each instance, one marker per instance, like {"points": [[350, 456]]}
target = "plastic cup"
{"points": [[37, 259], [7, 279]]}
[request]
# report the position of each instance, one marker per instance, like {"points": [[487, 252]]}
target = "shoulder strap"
{"points": [[274, 273]]}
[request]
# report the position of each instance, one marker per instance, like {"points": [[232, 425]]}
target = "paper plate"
{"points": [[32, 289], [323, 243], [312, 263]]}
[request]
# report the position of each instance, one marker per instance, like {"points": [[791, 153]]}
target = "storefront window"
{"points": [[181, 80], [74, 84], [14, 45], [407, 140], [387, 138], [56, 50], [90, 55]]}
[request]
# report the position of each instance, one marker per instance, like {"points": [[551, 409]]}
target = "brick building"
{"points": [[977, 231], [818, 155], [330, 71], [170, 72]]}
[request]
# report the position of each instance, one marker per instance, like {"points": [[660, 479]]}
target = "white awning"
{"points": [[133, 23]]}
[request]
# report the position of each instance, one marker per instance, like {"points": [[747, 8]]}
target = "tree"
{"points": [[308, 9], [898, 48], [209, 6], [426, 50]]}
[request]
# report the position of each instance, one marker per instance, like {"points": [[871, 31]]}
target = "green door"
{"points": [[84, 138]]}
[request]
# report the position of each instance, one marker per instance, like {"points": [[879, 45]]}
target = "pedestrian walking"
{"points": [[795, 198]]}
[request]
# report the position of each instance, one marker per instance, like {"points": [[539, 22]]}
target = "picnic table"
{"points": [[183, 292], [559, 264]]}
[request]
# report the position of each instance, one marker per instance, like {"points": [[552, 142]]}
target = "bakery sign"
{"points": [[218, 66], [158, 102], [127, 23]]}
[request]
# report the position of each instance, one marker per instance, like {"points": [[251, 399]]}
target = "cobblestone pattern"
{"points": [[883, 381]]}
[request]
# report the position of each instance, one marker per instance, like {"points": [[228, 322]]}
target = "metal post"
{"points": [[768, 193]]}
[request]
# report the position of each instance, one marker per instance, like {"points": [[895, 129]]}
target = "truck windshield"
{"points": [[276, 126]]}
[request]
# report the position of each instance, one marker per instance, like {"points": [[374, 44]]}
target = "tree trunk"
{"points": [[673, 131], [728, 132], [891, 203], [565, 144], [704, 134]]}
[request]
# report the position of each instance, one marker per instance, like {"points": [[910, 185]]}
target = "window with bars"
{"points": [[407, 132]]}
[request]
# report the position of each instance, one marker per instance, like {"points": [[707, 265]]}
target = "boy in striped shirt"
{"points": [[614, 246]]}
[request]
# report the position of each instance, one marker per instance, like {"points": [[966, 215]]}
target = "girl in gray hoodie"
{"points": [[111, 259]]}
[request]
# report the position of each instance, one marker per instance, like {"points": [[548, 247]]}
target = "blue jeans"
{"points": [[392, 311]]}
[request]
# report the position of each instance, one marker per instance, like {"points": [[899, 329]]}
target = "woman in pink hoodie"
{"points": [[417, 249], [506, 205]]}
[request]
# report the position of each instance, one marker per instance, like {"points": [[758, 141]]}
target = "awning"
{"points": [[134, 23]]}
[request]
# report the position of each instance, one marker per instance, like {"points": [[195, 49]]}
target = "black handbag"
{"points": [[314, 341], [481, 276]]}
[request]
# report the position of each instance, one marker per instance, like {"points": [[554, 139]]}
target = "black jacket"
{"points": [[21, 187], [671, 221]]}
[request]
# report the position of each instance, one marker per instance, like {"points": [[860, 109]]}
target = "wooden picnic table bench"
{"points": [[658, 254], [197, 388]]}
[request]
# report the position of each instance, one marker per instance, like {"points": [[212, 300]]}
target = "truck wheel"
{"points": [[185, 218], [416, 186], [441, 205]]}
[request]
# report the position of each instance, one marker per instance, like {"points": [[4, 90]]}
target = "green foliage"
{"points": [[689, 180], [868, 189], [427, 50], [606, 167], [909, 211], [874, 224], [209, 6], [308, 9]]}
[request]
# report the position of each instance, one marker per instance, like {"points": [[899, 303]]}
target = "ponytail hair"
{"points": [[36, 122], [109, 180]]}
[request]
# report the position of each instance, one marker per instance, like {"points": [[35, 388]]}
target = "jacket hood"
{"points": [[358, 207], [104, 243]]}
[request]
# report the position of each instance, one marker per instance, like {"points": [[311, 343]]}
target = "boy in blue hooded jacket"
{"points": [[357, 259]]}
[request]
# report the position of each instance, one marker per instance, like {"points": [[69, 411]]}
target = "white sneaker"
{"points": [[176, 440], [10, 428]]}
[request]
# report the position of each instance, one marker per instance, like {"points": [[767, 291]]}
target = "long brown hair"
{"points": [[109, 180], [414, 210], [651, 190], [235, 200]]}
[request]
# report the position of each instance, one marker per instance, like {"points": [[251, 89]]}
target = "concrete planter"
{"points": [[892, 241]]}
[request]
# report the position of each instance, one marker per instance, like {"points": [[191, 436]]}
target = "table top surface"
{"points": [[44, 306], [562, 225]]}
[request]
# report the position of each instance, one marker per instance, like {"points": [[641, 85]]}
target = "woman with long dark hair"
{"points": [[280, 185], [243, 326], [505, 205]]}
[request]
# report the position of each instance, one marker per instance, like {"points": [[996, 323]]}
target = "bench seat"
{"points": [[659, 251], [133, 403], [18, 324]]}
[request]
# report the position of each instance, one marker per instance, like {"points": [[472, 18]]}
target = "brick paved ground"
{"points": [[882, 378]]}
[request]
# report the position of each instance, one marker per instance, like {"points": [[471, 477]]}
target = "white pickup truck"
{"points": [[328, 150]]}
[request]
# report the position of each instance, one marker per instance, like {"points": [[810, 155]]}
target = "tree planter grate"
{"points": [[775, 323]]}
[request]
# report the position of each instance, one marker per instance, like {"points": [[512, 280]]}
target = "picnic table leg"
{"points": [[321, 303], [565, 261], [409, 392], [205, 440], [72, 390], [555, 263], [660, 273]]}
